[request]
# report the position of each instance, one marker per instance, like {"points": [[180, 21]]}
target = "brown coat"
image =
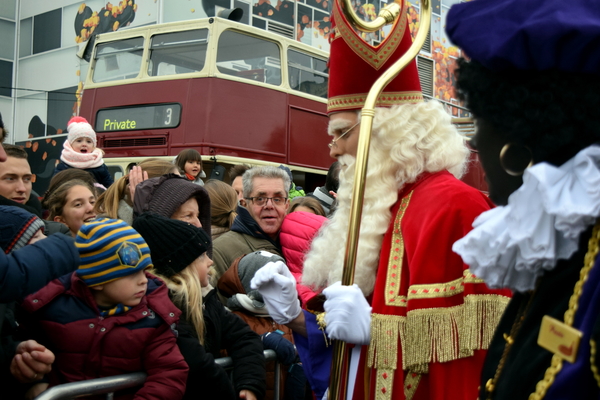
{"points": [[231, 245], [229, 284]]}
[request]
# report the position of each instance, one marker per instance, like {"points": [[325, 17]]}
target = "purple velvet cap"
{"points": [[529, 34]]}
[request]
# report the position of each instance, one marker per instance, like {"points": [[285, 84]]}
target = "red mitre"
{"points": [[354, 65]]}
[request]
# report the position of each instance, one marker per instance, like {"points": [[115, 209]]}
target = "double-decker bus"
{"points": [[235, 93]]}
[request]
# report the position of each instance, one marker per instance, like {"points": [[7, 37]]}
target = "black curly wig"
{"points": [[554, 113]]}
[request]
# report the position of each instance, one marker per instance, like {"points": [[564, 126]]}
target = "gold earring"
{"points": [[508, 170]]}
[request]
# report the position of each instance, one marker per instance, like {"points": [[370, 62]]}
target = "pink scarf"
{"points": [[81, 160]]}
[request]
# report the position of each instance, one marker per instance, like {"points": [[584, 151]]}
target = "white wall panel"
{"points": [[26, 108], [51, 70]]}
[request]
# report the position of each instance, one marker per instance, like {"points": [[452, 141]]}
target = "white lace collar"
{"points": [[511, 246]]}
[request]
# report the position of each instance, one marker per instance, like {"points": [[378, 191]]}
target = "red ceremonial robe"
{"points": [[432, 319]]}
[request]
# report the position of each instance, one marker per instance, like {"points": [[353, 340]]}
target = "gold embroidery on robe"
{"points": [[394, 268], [411, 383]]}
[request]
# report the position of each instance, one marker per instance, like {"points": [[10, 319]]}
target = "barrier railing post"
{"points": [[277, 379], [94, 387], [111, 384]]}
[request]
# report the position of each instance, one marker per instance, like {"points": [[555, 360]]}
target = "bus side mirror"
{"points": [[232, 14]]}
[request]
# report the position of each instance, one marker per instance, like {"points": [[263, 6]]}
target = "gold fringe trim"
{"points": [[434, 334], [481, 317], [385, 332]]}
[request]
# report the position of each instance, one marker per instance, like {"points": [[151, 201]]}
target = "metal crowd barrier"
{"points": [[114, 383]]}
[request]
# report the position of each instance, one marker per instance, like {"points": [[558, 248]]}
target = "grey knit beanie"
{"points": [[165, 194], [248, 266]]}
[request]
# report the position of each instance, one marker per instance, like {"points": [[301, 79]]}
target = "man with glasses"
{"points": [[419, 320], [259, 218]]}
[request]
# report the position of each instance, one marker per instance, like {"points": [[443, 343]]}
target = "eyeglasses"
{"points": [[261, 201], [334, 141]]}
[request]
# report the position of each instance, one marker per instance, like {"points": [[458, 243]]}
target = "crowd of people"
{"points": [[456, 294]]}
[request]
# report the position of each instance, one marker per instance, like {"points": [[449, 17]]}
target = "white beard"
{"points": [[407, 140], [323, 264]]}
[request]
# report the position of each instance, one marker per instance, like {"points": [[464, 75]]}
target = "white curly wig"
{"points": [[407, 140]]}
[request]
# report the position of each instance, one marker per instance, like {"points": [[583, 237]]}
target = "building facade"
{"points": [[41, 78]]}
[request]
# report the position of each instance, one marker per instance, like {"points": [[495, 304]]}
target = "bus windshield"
{"points": [[307, 74], [118, 60], [178, 52], [249, 57]]}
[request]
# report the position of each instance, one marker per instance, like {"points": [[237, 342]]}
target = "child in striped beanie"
{"points": [[110, 317], [113, 259]]}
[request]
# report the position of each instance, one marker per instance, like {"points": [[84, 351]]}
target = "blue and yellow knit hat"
{"points": [[109, 250]]}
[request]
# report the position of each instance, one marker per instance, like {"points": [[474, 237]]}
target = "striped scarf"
{"points": [[118, 309]]}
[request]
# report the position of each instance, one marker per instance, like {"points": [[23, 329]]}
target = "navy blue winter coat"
{"points": [[23, 272], [100, 174], [29, 269]]}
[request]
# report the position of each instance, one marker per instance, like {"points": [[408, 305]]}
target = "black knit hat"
{"points": [[165, 194], [174, 244]]}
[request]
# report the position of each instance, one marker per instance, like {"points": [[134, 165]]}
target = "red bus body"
{"points": [[238, 120]]}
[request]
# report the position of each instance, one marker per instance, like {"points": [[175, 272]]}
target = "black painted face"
{"points": [[489, 142]]}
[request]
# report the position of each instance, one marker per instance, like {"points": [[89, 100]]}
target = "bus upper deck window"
{"points": [[178, 52], [307, 74], [249, 57], [118, 60]]}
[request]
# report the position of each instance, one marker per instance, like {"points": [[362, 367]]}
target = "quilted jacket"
{"points": [[65, 318], [297, 232]]}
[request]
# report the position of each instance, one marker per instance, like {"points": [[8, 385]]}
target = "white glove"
{"points": [[277, 285], [348, 314]]}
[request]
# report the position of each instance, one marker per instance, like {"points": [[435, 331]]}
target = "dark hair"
{"points": [[237, 170], [554, 113], [15, 151], [332, 181], [3, 131], [66, 176], [308, 202], [185, 156]]}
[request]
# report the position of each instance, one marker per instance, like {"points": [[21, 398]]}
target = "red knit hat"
{"points": [[79, 127], [354, 65]]}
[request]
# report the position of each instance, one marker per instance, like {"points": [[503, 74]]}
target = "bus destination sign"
{"points": [[156, 116]]}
